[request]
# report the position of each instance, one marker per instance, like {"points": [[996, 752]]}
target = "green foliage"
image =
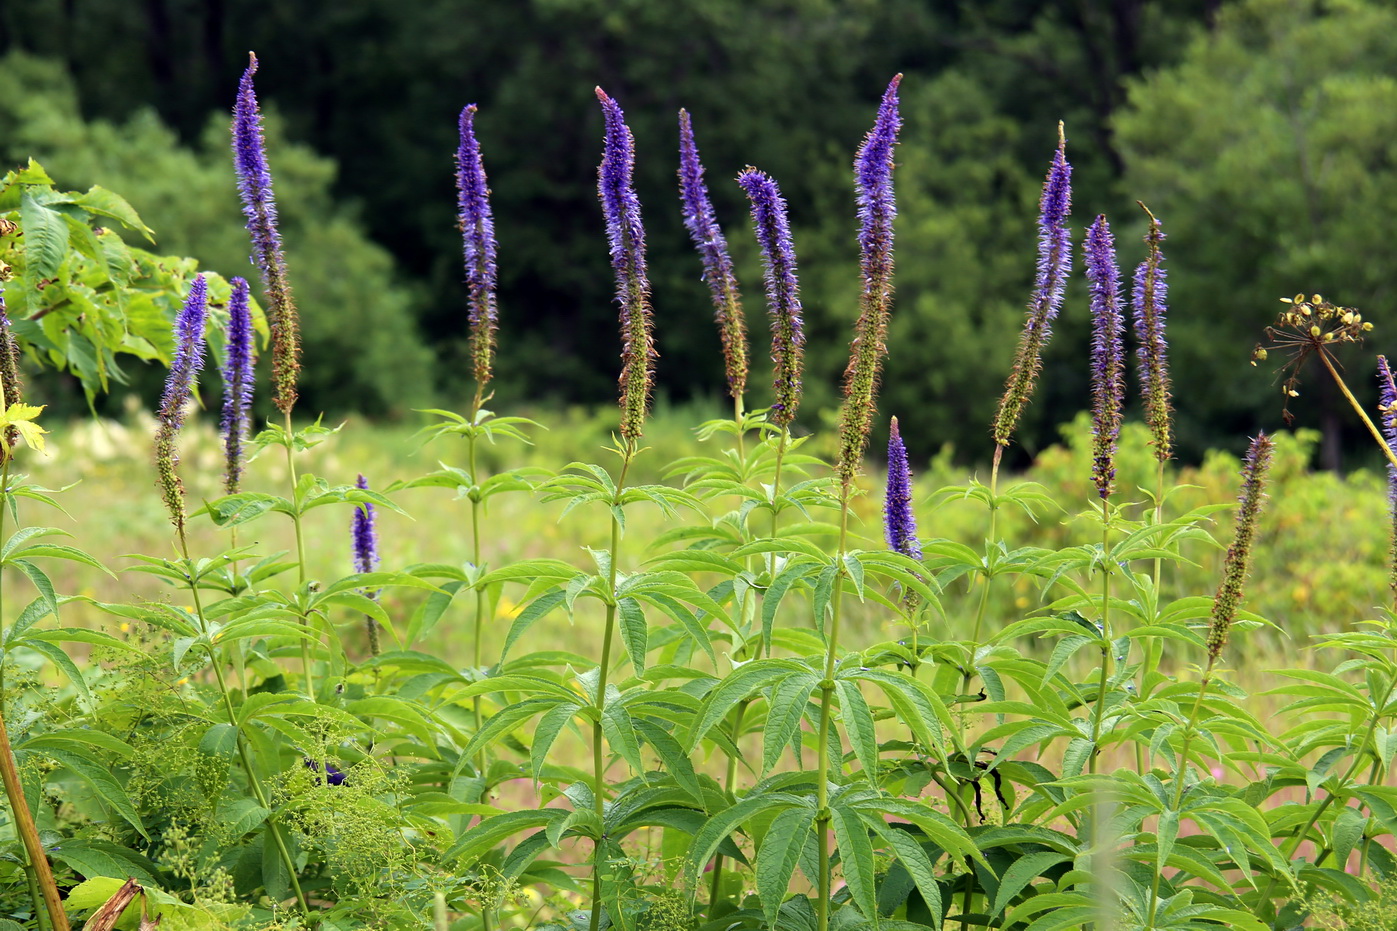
{"points": [[346, 286]]}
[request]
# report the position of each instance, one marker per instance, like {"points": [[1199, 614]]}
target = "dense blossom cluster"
{"points": [[478, 243], [1107, 354], [782, 292]]}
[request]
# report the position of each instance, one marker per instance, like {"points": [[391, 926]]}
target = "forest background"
{"points": [[1263, 133]]}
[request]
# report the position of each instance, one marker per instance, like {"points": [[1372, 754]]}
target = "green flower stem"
{"points": [[1100, 711], [737, 413], [273, 827], [729, 782], [781, 442], [38, 871], [1372, 428], [822, 812], [989, 542], [1152, 646], [300, 553], [598, 749], [475, 561]]}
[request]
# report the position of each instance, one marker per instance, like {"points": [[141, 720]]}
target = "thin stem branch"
{"points": [[300, 554], [1372, 428], [1105, 634], [823, 816]]}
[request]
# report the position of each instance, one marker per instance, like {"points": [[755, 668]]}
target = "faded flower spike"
{"points": [[873, 177], [899, 523], [782, 291], [259, 206], [1054, 265], [627, 236], [189, 358], [1387, 416], [717, 266], [11, 387], [1107, 354], [478, 235], [1150, 303], [238, 377], [1234, 569]]}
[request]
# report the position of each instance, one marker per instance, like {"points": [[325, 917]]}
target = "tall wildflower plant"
{"points": [[43, 888], [621, 209], [1150, 305], [259, 206], [1108, 394], [712, 246], [478, 242], [1226, 603], [238, 378], [1054, 265]]}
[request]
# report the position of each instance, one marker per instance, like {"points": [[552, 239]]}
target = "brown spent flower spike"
{"points": [[1234, 572]]}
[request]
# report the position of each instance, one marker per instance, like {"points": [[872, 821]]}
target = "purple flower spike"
{"points": [[898, 520], [364, 538], [873, 177], [189, 358], [478, 234], [1107, 354], [1387, 416], [623, 228], [1054, 265], [717, 266], [1149, 299], [259, 206], [782, 291], [364, 534], [238, 376]]}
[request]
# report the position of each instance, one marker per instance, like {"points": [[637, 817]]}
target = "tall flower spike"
{"points": [[1387, 414], [1150, 300], [238, 377], [11, 387], [873, 178], [708, 237], [1107, 354], [478, 235], [899, 523], [1054, 265], [259, 206], [782, 291], [1234, 568], [189, 358], [627, 236]]}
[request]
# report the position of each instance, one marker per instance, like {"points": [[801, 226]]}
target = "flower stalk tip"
{"points": [[1054, 265], [1237, 563], [873, 177], [782, 291], [621, 207], [708, 238], [1107, 354], [259, 206], [479, 247]]}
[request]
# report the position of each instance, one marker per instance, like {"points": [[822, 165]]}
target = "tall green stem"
{"points": [[1372, 428], [1100, 710], [38, 866], [475, 561], [781, 442], [244, 753], [823, 815], [300, 554], [990, 541], [603, 673]]}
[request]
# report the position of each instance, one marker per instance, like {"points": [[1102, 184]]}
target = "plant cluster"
{"points": [[237, 755]]}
